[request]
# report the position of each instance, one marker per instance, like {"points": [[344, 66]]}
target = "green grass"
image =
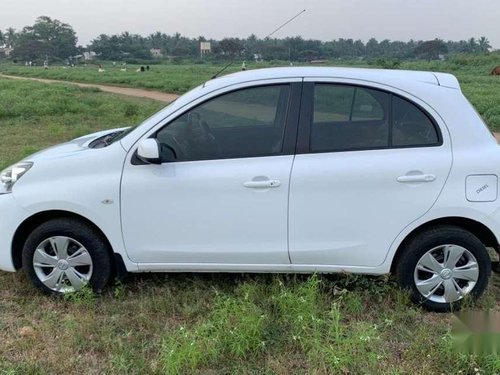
{"points": [[204, 324], [168, 78], [34, 116], [230, 324]]}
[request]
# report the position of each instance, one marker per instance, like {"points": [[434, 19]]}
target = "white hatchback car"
{"points": [[272, 170]]}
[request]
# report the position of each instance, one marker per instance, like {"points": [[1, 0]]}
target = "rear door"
{"points": [[369, 162]]}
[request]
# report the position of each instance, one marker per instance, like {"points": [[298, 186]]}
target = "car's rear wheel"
{"points": [[64, 255], [442, 266]]}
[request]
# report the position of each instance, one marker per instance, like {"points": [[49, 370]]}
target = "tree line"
{"points": [[52, 39]]}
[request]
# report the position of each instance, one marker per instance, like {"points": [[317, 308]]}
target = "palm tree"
{"points": [[484, 44], [472, 45], [157, 39], [10, 37]]}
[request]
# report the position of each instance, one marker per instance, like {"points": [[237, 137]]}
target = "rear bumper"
{"points": [[11, 216]]}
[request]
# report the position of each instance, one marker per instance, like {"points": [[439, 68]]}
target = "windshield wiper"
{"points": [[105, 140]]}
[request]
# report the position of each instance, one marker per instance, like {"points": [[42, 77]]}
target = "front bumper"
{"points": [[11, 216]]}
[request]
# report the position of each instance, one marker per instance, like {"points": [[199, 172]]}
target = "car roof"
{"points": [[386, 76]]}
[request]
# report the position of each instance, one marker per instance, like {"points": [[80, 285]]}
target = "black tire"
{"points": [[430, 239], [92, 240]]}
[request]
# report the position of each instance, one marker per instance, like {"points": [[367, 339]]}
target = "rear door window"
{"points": [[349, 118], [358, 118]]}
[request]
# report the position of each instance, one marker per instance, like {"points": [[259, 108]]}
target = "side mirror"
{"points": [[149, 151]]}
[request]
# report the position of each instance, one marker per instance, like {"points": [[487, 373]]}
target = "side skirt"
{"points": [[258, 268]]}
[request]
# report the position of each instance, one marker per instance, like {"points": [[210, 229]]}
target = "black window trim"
{"points": [[307, 113], [290, 127]]}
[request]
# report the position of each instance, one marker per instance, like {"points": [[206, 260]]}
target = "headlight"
{"points": [[11, 175]]}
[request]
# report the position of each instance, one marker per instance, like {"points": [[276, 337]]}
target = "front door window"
{"points": [[244, 123]]}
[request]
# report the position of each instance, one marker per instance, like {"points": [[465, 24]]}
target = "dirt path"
{"points": [[156, 95]]}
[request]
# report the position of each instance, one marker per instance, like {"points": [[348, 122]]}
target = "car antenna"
{"points": [[267, 36]]}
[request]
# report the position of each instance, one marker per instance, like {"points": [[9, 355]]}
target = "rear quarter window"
{"points": [[411, 126]]}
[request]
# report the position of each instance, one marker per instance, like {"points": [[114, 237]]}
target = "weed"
{"points": [[84, 297], [131, 110], [119, 290], [234, 330]]}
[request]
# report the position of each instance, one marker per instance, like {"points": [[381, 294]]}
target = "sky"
{"points": [[323, 19]]}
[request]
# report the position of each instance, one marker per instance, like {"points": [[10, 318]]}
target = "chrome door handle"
{"points": [[262, 184], [417, 178]]}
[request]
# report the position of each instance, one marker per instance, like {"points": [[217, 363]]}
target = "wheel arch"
{"points": [[28, 225], [481, 231]]}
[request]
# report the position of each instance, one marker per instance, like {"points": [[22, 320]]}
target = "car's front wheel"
{"points": [[64, 255], [442, 266]]}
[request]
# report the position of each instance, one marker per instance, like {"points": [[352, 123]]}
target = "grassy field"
{"points": [[205, 324], [34, 116], [230, 324], [472, 71], [168, 78]]}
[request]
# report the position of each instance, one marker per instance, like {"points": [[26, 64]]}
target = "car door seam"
{"points": [[288, 211]]}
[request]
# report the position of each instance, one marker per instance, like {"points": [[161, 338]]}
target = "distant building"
{"points": [[205, 47], [319, 62], [257, 57], [6, 51], [156, 53], [89, 56]]}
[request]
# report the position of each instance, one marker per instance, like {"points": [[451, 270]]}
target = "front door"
{"points": [[221, 196]]}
